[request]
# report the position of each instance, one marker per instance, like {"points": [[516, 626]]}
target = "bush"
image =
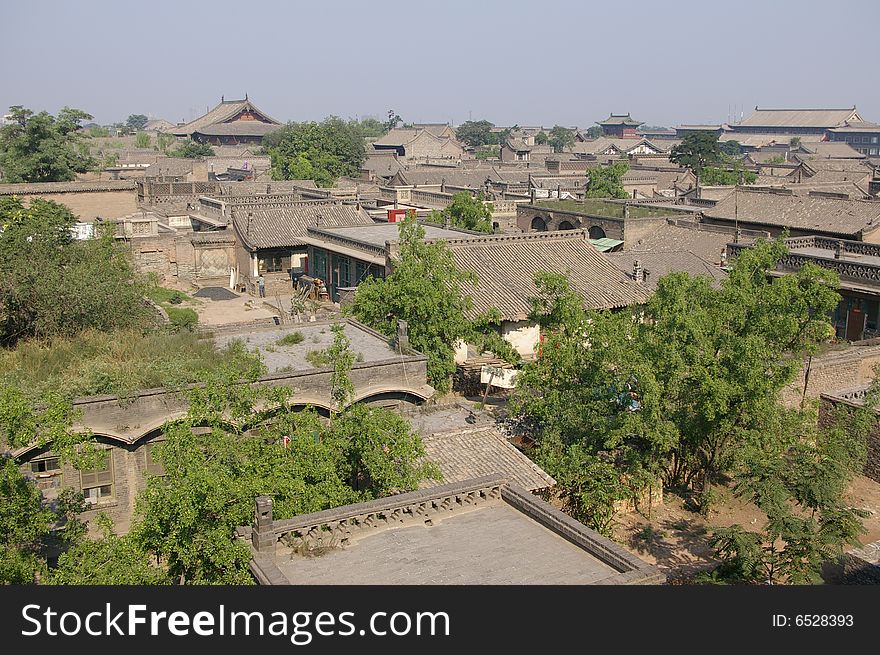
{"points": [[318, 358], [291, 339], [183, 319]]}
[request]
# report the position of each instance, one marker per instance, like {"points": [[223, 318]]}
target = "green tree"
{"points": [[188, 516], [163, 141], [594, 132], [342, 359], [697, 151], [142, 140], [476, 133], [796, 476], [43, 148], [541, 138], [136, 122], [605, 181], [730, 148], [316, 151], [467, 212], [51, 283], [428, 291], [795, 142], [671, 394], [393, 121], [192, 150], [736, 174], [24, 524], [108, 560], [561, 138]]}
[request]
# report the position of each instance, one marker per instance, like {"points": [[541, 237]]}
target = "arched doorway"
{"points": [[597, 232], [539, 224], [566, 225]]}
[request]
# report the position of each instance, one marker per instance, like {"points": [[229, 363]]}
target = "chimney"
{"points": [[318, 218], [638, 272], [838, 248]]}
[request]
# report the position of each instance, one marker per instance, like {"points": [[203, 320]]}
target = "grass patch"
{"points": [[183, 319], [163, 296], [318, 358], [291, 339], [119, 363]]}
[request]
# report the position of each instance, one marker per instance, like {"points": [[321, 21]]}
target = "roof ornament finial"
{"points": [[245, 95], [222, 98]]}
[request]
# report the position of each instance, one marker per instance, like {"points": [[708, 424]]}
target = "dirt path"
{"points": [[677, 540]]}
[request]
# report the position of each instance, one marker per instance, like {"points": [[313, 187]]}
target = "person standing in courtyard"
{"points": [[261, 284]]}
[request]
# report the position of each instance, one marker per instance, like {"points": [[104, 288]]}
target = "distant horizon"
{"points": [[571, 64]]}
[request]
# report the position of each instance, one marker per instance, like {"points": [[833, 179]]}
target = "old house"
{"points": [[270, 237], [415, 143], [620, 126], [232, 122]]}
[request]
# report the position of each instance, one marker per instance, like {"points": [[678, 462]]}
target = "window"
{"points": [[344, 271], [873, 151], [873, 139], [97, 484], [47, 472], [152, 465], [270, 264]]}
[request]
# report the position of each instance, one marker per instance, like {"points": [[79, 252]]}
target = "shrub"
{"points": [[183, 319], [318, 358], [291, 339]]}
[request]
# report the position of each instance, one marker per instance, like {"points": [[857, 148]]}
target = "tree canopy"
{"points": [[52, 284], [671, 393], [467, 212], [561, 138], [697, 151], [192, 150], [605, 181], [476, 133], [316, 151], [136, 122], [43, 148]]}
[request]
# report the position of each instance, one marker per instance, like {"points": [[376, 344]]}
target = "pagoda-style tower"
{"points": [[620, 126]]}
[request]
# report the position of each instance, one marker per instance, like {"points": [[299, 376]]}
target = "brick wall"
{"points": [[835, 370], [89, 205]]}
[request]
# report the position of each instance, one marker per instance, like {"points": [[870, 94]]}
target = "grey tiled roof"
{"points": [[798, 117], [469, 453], [821, 215], [280, 228], [222, 112], [706, 244], [238, 128], [657, 264], [505, 266]]}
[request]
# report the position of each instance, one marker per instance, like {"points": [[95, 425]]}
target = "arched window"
{"points": [[597, 232], [539, 224], [566, 225]]}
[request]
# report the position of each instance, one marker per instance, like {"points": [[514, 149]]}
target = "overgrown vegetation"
{"points": [[683, 393], [42, 147], [191, 150], [117, 363], [605, 181], [52, 284], [467, 212], [291, 339], [316, 151]]}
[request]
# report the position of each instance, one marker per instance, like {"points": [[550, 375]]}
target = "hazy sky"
{"points": [[525, 62]]}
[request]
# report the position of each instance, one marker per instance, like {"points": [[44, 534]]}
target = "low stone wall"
{"points": [[835, 370], [831, 402], [855, 567]]}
